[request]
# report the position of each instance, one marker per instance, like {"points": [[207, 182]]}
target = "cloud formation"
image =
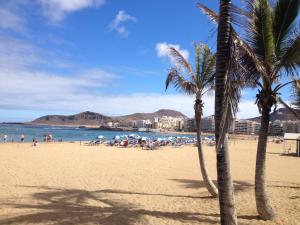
{"points": [[118, 23], [162, 51], [10, 20], [56, 10]]}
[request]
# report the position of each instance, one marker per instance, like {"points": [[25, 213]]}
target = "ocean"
{"points": [[13, 132]]}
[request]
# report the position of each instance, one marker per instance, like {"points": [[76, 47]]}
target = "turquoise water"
{"points": [[13, 132]]}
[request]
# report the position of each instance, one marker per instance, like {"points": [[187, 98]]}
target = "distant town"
{"points": [[166, 120]]}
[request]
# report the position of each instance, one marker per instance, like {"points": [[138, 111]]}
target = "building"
{"points": [[170, 123], [207, 124], [189, 125], [275, 128], [245, 127], [290, 126]]}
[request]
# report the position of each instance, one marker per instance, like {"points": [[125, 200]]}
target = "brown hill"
{"points": [[85, 118], [95, 119], [148, 116], [280, 114]]}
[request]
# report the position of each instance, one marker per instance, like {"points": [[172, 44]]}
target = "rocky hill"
{"points": [[95, 119], [146, 116], [279, 114], [81, 119]]}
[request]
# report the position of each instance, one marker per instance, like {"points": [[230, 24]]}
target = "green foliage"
{"points": [[193, 81]]}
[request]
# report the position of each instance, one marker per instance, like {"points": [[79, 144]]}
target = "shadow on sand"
{"points": [[196, 184], [74, 206]]}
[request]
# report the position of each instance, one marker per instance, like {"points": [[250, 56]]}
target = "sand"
{"points": [[65, 183]]}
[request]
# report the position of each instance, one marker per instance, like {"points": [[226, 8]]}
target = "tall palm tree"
{"points": [[195, 82], [225, 185], [271, 48]]}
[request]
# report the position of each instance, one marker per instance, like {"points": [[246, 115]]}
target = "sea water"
{"points": [[38, 132]]}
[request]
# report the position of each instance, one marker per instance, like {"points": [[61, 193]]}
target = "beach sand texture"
{"points": [[65, 183]]}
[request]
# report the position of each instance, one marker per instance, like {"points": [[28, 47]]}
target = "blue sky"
{"points": [[107, 56]]}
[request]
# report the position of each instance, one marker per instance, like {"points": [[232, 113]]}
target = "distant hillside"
{"points": [[146, 116], [96, 119], [84, 118], [279, 114]]}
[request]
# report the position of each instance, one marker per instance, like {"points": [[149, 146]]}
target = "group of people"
{"points": [[48, 137], [147, 143], [4, 138]]}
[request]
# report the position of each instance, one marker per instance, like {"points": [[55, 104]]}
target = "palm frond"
{"points": [[260, 32], [207, 11], [290, 58], [181, 61], [198, 80], [285, 14], [180, 83], [292, 110], [247, 57], [207, 64]]}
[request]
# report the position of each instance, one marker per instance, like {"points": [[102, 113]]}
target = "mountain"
{"points": [[148, 116], [95, 119], [85, 118], [279, 114]]}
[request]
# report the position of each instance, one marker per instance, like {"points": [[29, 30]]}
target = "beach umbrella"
{"points": [[100, 137], [144, 138], [117, 137], [159, 139]]}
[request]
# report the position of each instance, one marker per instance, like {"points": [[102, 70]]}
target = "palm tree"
{"points": [[271, 48], [196, 82], [226, 197]]}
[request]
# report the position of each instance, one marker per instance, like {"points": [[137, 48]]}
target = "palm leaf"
{"points": [[180, 59], [285, 14], [290, 58], [247, 57], [180, 83], [260, 33], [292, 110]]}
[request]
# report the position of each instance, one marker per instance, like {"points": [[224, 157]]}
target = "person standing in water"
{"points": [[22, 137]]}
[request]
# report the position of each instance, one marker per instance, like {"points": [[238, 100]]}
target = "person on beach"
{"points": [[4, 138], [22, 137], [35, 143]]}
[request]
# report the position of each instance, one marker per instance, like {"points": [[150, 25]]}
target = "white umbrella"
{"points": [[100, 137]]}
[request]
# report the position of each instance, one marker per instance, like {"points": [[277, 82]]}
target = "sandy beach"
{"points": [[65, 183]]}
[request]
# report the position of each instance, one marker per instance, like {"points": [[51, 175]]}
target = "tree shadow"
{"points": [[196, 184], [75, 206], [292, 154], [110, 191]]}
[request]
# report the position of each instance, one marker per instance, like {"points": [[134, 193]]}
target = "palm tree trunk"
{"points": [[206, 179], [263, 206], [226, 200]]}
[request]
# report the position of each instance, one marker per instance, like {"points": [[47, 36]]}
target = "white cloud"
{"points": [[10, 20], [56, 10], [118, 23], [162, 51]]}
